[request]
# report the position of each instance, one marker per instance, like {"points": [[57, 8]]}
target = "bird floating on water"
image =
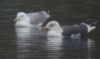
{"points": [[31, 19], [70, 31]]}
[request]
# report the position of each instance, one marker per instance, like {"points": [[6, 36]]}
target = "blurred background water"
{"points": [[32, 44]]}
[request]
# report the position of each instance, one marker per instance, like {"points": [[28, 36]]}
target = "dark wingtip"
{"points": [[91, 22]]}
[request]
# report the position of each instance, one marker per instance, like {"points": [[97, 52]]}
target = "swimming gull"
{"points": [[30, 19], [69, 31]]}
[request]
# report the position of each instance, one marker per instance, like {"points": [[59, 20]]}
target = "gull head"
{"points": [[52, 25], [21, 16]]}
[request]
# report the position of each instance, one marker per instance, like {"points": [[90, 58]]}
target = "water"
{"points": [[33, 44], [29, 43]]}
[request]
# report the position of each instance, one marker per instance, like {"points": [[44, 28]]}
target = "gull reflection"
{"points": [[78, 49], [34, 44], [54, 47], [26, 39], [91, 48]]}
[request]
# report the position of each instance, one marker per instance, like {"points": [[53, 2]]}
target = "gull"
{"points": [[31, 19], [75, 31]]}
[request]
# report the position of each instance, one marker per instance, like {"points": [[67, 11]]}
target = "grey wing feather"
{"points": [[37, 17], [74, 29], [70, 29]]}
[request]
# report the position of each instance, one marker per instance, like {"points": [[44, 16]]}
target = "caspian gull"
{"points": [[31, 19], [70, 31]]}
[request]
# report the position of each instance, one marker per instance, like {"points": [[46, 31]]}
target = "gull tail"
{"points": [[92, 25]]}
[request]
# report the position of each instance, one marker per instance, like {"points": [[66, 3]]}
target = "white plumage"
{"points": [[31, 19], [69, 31]]}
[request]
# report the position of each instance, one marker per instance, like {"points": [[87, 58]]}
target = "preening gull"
{"points": [[31, 19], [70, 31]]}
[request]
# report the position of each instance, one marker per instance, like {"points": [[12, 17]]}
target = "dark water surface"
{"points": [[29, 43], [32, 44]]}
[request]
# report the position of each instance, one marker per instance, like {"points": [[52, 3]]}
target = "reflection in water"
{"points": [[33, 44], [54, 47], [78, 49], [28, 42], [91, 48], [74, 50]]}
